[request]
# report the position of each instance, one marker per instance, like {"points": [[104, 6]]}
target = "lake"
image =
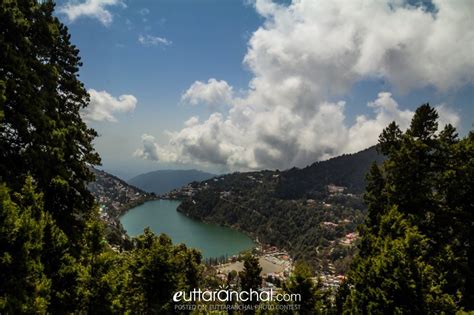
{"points": [[161, 216]]}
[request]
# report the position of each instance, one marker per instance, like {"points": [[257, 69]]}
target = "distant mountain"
{"points": [[163, 181], [123, 174]]}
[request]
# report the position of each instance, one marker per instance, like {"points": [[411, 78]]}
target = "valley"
{"points": [[311, 213], [318, 224]]}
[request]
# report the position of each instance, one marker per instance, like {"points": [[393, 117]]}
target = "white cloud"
{"points": [[103, 106], [366, 130], [310, 52], [212, 93], [447, 116], [152, 151], [144, 11], [91, 8], [247, 139], [149, 40]]}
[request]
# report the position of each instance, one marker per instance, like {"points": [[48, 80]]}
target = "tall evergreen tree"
{"points": [[250, 279], [23, 286], [53, 257], [103, 276], [41, 131], [313, 299], [157, 269], [416, 250]]}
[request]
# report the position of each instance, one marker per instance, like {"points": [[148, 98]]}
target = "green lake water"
{"points": [[161, 216]]}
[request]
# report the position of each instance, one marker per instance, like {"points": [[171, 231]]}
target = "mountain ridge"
{"points": [[312, 212], [163, 181]]}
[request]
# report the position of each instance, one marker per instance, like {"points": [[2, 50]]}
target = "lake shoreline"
{"points": [[211, 239]]}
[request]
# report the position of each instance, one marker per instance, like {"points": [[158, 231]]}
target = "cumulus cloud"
{"points": [[310, 52], [152, 151], [144, 11], [212, 93], [149, 40], [447, 115], [91, 8], [103, 106], [246, 139]]}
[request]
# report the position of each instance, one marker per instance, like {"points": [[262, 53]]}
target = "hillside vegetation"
{"points": [[307, 211], [114, 197]]}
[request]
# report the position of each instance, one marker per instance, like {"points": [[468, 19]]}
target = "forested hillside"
{"points": [[347, 170], [307, 211], [416, 254]]}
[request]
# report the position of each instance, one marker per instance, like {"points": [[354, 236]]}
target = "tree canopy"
{"points": [[416, 252], [53, 255], [41, 132]]}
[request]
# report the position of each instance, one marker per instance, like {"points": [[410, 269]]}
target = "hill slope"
{"points": [[162, 181], [311, 212], [347, 170], [115, 197]]}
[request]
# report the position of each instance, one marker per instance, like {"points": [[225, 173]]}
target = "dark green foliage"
{"points": [[249, 202], [313, 299], [41, 131], [346, 170], [416, 251], [250, 279], [396, 277], [39, 275], [23, 285], [53, 255], [61, 268], [157, 269], [102, 276]]}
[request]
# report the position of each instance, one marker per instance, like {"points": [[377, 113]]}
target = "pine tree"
{"points": [[42, 136], [250, 279], [415, 250], [313, 299], [103, 277], [396, 277], [61, 268], [24, 288], [157, 269], [41, 131]]}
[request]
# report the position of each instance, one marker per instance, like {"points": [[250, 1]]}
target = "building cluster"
{"points": [[184, 192], [276, 264], [349, 239], [333, 189], [329, 224], [330, 281], [114, 196]]}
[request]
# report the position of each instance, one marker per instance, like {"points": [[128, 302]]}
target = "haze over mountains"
{"points": [[162, 181], [297, 181]]}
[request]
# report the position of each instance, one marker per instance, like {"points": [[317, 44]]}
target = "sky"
{"points": [[240, 85]]}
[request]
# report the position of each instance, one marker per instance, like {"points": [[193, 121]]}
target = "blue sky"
{"points": [[279, 77]]}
